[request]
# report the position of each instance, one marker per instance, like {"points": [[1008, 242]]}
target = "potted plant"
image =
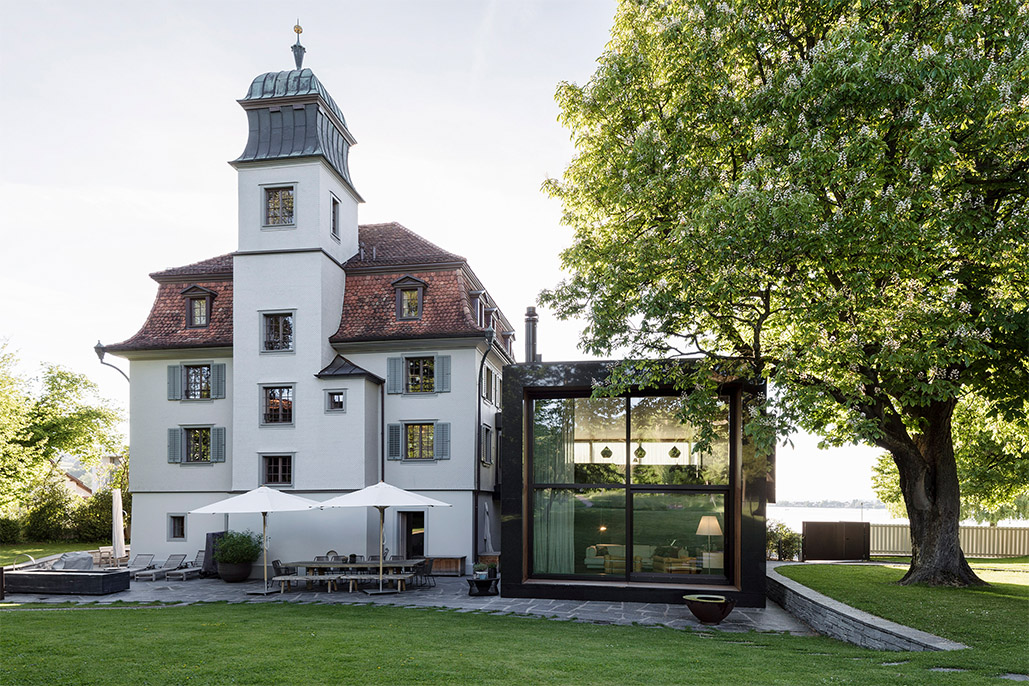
{"points": [[235, 554], [479, 570], [491, 570]]}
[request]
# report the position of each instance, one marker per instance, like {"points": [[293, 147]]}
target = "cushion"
{"points": [[666, 551]]}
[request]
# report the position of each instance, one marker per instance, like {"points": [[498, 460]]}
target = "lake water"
{"points": [[794, 517]]}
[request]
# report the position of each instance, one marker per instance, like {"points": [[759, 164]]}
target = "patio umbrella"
{"points": [[263, 500], [117, 525], [380, 496]]}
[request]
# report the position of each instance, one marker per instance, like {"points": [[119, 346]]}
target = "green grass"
{"points": [[359, 644], [1018, 564], [11, 553], [992, 620]]}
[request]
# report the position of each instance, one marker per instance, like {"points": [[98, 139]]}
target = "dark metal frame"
{"points": [[744, 524]]}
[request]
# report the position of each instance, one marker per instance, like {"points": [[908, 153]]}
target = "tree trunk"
{"points": [[929, 482]]}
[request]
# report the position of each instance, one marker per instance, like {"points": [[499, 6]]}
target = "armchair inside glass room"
{"points": [[667, 518]]}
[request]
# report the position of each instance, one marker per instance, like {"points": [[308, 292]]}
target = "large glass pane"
{"points": [[663, 450], [579, 440], [578, 531], [678, 533]]}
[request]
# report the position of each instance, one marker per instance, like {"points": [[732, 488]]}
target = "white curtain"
{"points": [[554, 508]]}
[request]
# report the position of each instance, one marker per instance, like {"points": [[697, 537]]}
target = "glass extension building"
{"points": [[606, 498]]}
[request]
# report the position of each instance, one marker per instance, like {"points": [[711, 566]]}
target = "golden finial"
{"points": [[298, 49]]}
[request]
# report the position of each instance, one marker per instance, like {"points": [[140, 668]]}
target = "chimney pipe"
{"points": [[530, 335]]}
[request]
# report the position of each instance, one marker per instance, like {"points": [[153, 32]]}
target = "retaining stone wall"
{"points": [[845, 623]]}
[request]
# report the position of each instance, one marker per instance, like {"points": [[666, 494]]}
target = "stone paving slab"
{"points": [[449, 593]]}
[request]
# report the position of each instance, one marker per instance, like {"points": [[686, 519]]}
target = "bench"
{"points": [[401, 579]]}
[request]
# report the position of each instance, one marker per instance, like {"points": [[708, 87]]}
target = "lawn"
{"points": [[14, 553], [993, 620]]}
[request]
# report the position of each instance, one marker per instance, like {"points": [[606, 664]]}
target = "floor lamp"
{"points": [[709, 527]]}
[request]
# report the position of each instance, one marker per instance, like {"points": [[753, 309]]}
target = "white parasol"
{"points": [[263, 500], [117, 526], [380, 496]]}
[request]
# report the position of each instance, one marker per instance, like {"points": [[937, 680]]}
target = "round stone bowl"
{"points": [[709, 609]]}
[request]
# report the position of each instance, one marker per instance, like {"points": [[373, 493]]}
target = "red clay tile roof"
{"points": [[389, 245], [370, 311], [166, 328], [221, 265]]}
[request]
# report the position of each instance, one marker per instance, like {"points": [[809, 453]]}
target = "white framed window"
{"points": [[418, 440], [177, 526], [277, 332], [336, 400], [278, 208], [277, 469]]}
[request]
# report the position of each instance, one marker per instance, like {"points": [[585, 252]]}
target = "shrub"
{"points": [[782, 543], [237, 547], [91, 521], [10, 530], [49, 512]]}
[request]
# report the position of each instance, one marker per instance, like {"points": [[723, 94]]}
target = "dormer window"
{"points": [[409, 297], [198, 306], [479, 306]]}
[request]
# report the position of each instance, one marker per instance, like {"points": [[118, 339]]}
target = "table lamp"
{"points": [[709, 527]]}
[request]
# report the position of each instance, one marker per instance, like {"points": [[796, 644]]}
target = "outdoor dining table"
{"points": [[319, 567]]}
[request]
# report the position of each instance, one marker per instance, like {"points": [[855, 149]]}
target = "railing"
{"points": [[976, 541]]}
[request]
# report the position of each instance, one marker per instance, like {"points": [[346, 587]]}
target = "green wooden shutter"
{"points": [[217, 380], [174, 382], [395, 439], [442, 374], [395, 375], [218, 444], [175, 445], [441, 441]]}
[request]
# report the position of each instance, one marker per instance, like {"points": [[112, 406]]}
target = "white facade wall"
{"points": [[160, 488]]}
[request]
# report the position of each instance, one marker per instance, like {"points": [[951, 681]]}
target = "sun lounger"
{"points": [[153, 574], [190, 571], [139, 563]]}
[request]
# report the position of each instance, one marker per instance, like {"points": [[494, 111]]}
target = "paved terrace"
{"points": [[449, 592]]}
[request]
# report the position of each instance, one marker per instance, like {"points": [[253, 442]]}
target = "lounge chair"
{"points": [[190, 571], [155, 573], [139, 563]]}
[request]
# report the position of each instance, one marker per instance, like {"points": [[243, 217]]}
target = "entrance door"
{"points": [[412, 534]]}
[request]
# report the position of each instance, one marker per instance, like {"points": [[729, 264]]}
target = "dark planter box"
{"points": [[234, 572], [67, 582]]}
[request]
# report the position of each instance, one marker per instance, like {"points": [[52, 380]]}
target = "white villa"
{"points": [[319, 357]]}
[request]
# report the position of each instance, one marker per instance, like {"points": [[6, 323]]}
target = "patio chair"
{"points": [[430, 580], [286, 576], [155, 573], [139, 563], [191, 570]]}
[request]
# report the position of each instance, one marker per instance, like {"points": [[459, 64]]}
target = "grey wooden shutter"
{"points": [[395, 375], [441, 441], [175, 445], [487, 445], [217, 380], [174, 382], [442, 374], [394, 436], [218, 444]]}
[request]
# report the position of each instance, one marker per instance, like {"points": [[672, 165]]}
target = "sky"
{"points": [[119, 119]]}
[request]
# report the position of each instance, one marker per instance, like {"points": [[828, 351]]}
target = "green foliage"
{"points": [[10, 530], [827, 195], [65, 416], [238, 547], [830, 196], [992, 455], [781, 542], [48, 511], [91, 520]]}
